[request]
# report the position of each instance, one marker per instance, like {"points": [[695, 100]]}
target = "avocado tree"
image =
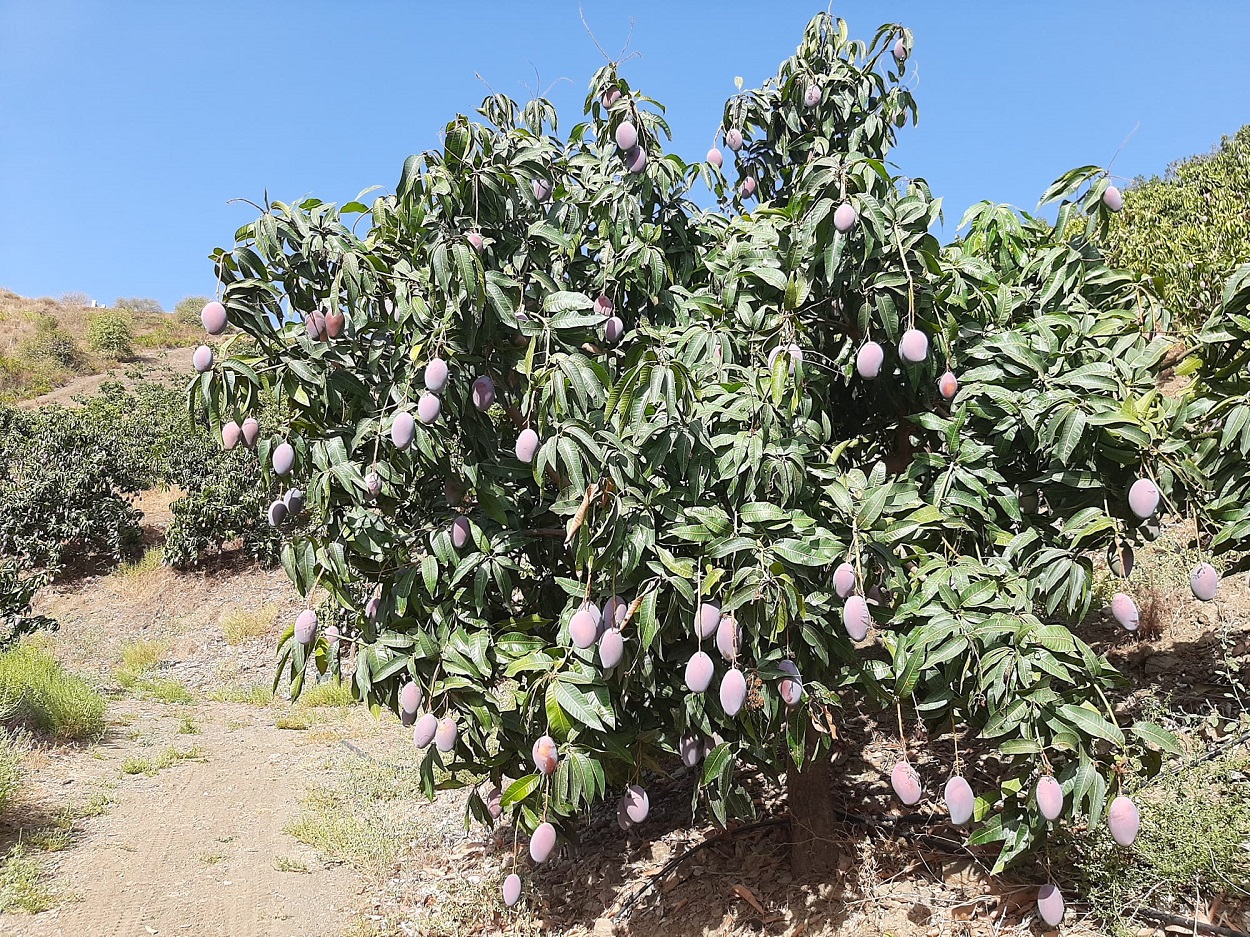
{"points": [[591, 477]]}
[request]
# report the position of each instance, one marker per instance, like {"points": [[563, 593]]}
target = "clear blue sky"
{"points": [[125, 126]]}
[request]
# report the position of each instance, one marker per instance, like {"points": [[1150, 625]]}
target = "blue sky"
{"points": [[126, 126]]}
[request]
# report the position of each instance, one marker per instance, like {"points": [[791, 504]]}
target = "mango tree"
{"points": [[592, 477]]}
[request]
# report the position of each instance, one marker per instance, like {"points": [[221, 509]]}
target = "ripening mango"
{"points": [[213, 318], [913, 347], [748, 187], [727, 637], [546, 755], [203, 359], [476, 241], [410, 698], [636, 159], [707, 618], [403, 428], [690, 747], [1124, 611], [844, 580], [447, 734], [899, 51], [1112, 198], [733, 139], [511, 889], [314, 326], [542, 189], [459, 532], [278, 512], [1143, 498], [373, 484], [231, 433], [856, 617], [906, 783], [283, 459], [435, 375], [526, 445], [698, 672], [610, 97], [306, 626], [583, 628], [792, 351], [335, 322], [637, 803], [1049, 797], [715, 158], [494, 802], [294, 499], [733, 691], [1050, 905], [428, 408], [811, 95], [948, 385], [844, 217], [251, 432], [371, 608], [1204, 581], [614, 611], [332, 637], [423, 730], [543, 842], [868, 360], [626, 136], [960, 800], [1120, 561], [1124, 820], [611, 648], [613, 329], [790, 687], [483, 393]]}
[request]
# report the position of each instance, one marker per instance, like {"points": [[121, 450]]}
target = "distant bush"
{"points": [[111, 333], [75, 298], [65, 487], [37, 693], [138, 304], [52, 343], [189, 308]]}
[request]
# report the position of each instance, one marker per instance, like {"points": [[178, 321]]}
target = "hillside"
{"points": [[47, 344]]}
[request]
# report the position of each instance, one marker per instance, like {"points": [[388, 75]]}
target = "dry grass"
{"points": [[25, 373], [239, 624]]}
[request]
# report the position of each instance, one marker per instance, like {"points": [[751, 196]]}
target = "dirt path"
{"points": [[150, 364], [197, 848]]}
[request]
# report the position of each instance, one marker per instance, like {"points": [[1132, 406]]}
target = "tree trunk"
{"points": [[813, 823]]}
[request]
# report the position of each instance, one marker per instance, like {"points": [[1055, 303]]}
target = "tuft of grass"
{"points": [[137, 764], [11, 754], [294, 720], [143, 654], [35, 691], [23, 884], [362, 814], [188, 726], [287, 864], [211, 858], [256, 695], [150, 561], [239, 624], [1195, 832], [158, 688], [328, 693]]}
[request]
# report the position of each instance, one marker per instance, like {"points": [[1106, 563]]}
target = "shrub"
{"points": [[139, 304], [51, 343], [35, 692], [111, 333], [17, 590], [189, 308]]}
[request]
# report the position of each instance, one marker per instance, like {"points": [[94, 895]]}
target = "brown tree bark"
{"points": [[813, 823]]}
